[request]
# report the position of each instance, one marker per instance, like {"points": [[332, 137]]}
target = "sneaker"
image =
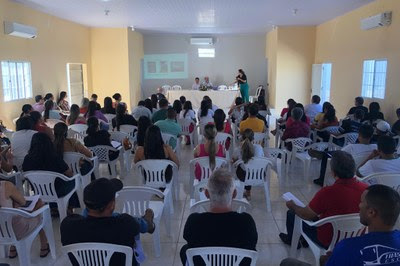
{"points": [[319, 182], [316, 154], [285, 239]]}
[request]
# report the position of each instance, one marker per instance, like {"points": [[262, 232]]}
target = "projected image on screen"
{"points": [[165, 66]]}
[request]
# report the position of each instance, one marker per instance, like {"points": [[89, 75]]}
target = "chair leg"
{"points": [[156, 240], [62, 204], [267, 196], [48, 230], [307, 164], [24, 252], [297, 230]]}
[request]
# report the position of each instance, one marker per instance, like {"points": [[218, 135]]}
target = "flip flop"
{"points": [[12, 250], [47, 249]]}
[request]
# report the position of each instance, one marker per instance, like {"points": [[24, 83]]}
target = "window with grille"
{"points": [[17, 80], [374, 79]]}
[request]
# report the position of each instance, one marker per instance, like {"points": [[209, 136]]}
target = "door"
{"points": [[76, 82], [321, 81]]}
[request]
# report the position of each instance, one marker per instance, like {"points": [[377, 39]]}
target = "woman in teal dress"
{"points": [[242, 83]]}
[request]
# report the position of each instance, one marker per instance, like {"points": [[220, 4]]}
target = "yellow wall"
{"points": [[271, 54], [342, 42], [58, 42], [135, 49]]}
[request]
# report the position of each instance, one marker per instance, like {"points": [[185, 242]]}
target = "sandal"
{"points": [[45, 251], [149, 217], [12, 254]]}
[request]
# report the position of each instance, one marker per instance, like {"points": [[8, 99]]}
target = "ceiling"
{"points": [[196, 16]]}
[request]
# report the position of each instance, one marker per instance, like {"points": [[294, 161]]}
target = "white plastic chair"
{"points": [[166, 88], [52, 122], [102, 153], [128, 129], [273, 154], [135, 200], [43, 184], [257, 174], [176, 88], [298, 145], [23, 246], [330, 130], [238, 205], [80, 128], [97, 254], [126, 154], [109, 117], [153, 174], [388, 179], [348, 138], [15, 178], [76, 135], [258, 92], [15, 120], [185, 126], [301, 153], [260, 138], [206, 170], [221, 138], [344, 226], [222, 87], [73, 160], [167, 138], [221, 256]]}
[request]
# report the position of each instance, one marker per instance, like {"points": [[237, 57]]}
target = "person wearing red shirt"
{"points": [[343, 197], [297, 128]]}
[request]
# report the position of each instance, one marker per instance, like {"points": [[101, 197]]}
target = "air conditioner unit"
{"points": [[19, 30], [380, 20], [201, 41]]}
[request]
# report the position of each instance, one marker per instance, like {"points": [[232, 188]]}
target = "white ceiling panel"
{"points": [[196, 16]]}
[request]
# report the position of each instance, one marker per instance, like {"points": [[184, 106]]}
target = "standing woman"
{"points": [[244, 87], [62, 102]]}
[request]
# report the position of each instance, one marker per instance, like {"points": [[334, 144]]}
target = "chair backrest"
{"points": [[52, 122], [135, 200], [168, 137], [185, 125], [299, 143], [7, 234], [256, 170], [319, 146], [154, 171], [205, 168], [222, 87], [259, 89], [73, 159], [15, 120], [119, 136], [80, 128], [166, 87], [388, 179], [332, 129], [221, 138], [264, 113], [204, 206], [221, 256], [259, 138], [203, 122], [76, 135], [274, 153], [350, 138], [97, 254], [128, 129], [176, 88], [102, 152], [109, 117]]}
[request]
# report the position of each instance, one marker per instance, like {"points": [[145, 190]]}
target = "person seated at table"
{"points": [[296, 129], [252, 121], [39, 104], [26, 109], [236, 110], [50, 113], [155, 148], [117, 99], [177, 105], [205, 112], [84, 105], [40, 126], [209, 149], [222, 125], [108, 106], [122, 118], [314, 108], [62, 102], [161, 114], [196, 84], [206, 83], [94, 98], [141, 110], [74, 116], [11, 197], [170, 126]]}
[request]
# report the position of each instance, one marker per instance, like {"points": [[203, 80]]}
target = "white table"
{"points": [[223, 99]]}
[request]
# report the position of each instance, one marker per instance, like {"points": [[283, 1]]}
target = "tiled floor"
{"points": [[270, 248]]}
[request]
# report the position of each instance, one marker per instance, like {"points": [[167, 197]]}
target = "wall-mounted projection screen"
{"points": [[165, 66]]}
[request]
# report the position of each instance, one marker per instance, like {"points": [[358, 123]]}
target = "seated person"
{"points": [[11, 197], [396, 125], [213, 106], [343, 197], [358, 102], [209, 149], [122, 118], [94, 98], [383, 160], [143, 124], [196, 84], [206, 83], [311, 110], [187, 112], [84, 105], [108, 106], [290, 106], [182, 99], [297, 128], [154, 148], [222, 125], [229, 228], [252, 122], [39, 104], [262, 106], [374, 114], [141, 110], [161, 114], [170, 126], [119, 229], [246, 151], [352, 124], [26, 110], [40, 126], [236, 110], [50, 112], [382, 128], [93, 112], [320, 116], [177, 105], [117, 99], [21, 139], [205, 112], [303, 118], [259, 116], [6, 162], [329, 120], [74, 116], [62, 103], [363, 146]]}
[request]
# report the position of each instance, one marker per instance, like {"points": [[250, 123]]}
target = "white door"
{"points": [[316, 80], [76, 82], [321, 81]]}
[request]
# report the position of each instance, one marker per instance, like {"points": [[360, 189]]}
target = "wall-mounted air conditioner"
{"points": [[380, 20], [201, 41], [19, 30]]}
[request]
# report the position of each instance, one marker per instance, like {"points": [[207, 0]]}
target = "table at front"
{"points": [[222, 99]]}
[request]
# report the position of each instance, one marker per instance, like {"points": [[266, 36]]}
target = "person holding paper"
{"points": [[343, 197], [10, 197]]}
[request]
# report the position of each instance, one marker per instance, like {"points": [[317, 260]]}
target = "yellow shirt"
{"points": [[318, 117], [255, 124]]}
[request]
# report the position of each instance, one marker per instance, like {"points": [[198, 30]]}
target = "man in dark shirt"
{"points": [[358, 102], [220, 226], [101, 225], [162, 113]]}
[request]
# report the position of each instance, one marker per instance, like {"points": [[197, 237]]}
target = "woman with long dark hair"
{"points": [[155, 148], [222, 125], [143, 123], [374, 113], [50, 113], [241, 80], [154, 101], [93, 112], [177, 105], [149, 105], [205, 110], [187, 112], [108, 106], [74, 116], [26, 109], [62, 102], [122, 118], [118, 98]]}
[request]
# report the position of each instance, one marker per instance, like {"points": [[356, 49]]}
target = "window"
{"points": [[206, 52], [374, 78], [17, 80]]}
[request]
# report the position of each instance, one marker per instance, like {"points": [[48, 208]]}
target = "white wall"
{"points": [[231, 53]]}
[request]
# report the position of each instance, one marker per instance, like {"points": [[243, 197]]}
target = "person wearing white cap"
{"points": [[382, 129]]}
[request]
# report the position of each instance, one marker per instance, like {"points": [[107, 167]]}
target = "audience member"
{"points": [[314, 108], [50, 97], [40, 126], [196, 84], [205, 112], [290, 106], [170, 126], [297, 128], [6, 162], [228, 228], [26, 109], [122, 118], [320, 116], [303, 118], [117, 99], [374, 113], [236, 111], [154, 148], [245, 152], [396, 125], [84, 105], [177, 105], [222, 125], [382, 160], [352, 124], [108, 106], [154, 102], [93, 112], [39, 104], [94, 98], [143, 123], [148, 104], [358, 102], [141, 110], [262, 106], [343, 197], [161, 114], [50, 113], [182, 99], [21, 139], [11, 197], [252, 122], [62, 103], [382, 128], [187, 112], [74, 116]]}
